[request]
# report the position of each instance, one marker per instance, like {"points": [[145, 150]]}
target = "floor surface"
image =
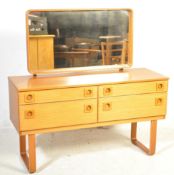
{"points": [[96, 151]]}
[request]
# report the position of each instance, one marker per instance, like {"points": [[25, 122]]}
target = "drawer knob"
{"points": [[88, 92], [29, 98], [158, 101], [29, 114], [107, 106], [88, 108], [160, 86], [107, 91]]}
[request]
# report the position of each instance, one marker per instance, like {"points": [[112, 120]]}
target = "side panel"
{"points": [[14, 105]]}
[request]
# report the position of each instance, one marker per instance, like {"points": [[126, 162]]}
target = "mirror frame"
{"points": [[87, 68]]}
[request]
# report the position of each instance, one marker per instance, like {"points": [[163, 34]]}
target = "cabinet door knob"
{"points": [[29, 114], [107, 106], [107, 91], [88, 92], [158, 101], [88, 108], [160, 86]]}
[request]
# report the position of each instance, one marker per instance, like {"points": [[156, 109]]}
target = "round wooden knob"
{"points": [[159, 101], [108, 90], [29, 113], [160, 86], [107, 106], [29, 97], [88, 107], [89, 92]]}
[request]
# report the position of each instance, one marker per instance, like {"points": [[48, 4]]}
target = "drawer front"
{"points": [[133, 106], [133, 88], [57, 95], [48, 115]]}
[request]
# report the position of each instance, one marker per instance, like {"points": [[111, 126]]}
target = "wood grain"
{"points": [[58, 95], [29, 83], [14, 105], [33, 54], [45, 53], [40, 52], [91, 125], [132, 106], [58, 114], [132, 88]]}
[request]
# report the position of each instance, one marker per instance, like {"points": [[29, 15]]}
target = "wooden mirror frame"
{"points": [[81, 69]]}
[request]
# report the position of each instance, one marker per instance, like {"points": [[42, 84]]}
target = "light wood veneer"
{"points": [[41, 52], [56, 103]]}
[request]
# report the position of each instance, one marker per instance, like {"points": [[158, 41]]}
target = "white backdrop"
{"points": [[153, 38]]}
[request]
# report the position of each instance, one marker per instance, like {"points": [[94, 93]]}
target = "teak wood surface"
{"points": [[41, 52], [72, 101], [85, 78]]}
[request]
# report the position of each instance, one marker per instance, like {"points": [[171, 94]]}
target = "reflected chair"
{"points": [[113, 52]]}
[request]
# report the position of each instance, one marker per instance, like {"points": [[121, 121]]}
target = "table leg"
{"points": [[153, 130], [30, 157]]}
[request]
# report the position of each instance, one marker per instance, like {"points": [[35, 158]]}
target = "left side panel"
{"points": [[14, 105]]}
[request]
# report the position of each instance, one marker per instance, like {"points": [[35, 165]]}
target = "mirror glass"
{"points": [[78, 38]]}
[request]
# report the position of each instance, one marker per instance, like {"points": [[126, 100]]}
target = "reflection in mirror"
{"points": [[63, 39]]}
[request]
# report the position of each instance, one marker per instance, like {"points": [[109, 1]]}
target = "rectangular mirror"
{"points": [[71, 39]]}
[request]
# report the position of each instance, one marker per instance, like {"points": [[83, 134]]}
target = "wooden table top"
{"points": [[28, 83]]}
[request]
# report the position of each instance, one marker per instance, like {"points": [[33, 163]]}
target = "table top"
{"points": [[29, 83]]}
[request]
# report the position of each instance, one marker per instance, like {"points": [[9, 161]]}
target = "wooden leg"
{"points": [[153, 128], [30, 159]]}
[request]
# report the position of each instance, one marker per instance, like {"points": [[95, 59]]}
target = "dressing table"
{"points": [[72, 97]]}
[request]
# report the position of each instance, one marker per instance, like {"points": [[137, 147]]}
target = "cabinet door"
{"points": [[32, 54], [132, 106], [48, 115], [45, 53]]}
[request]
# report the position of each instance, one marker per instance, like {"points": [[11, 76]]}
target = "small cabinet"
{"points": [[41, 52]]}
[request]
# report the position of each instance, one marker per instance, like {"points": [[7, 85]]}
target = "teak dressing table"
{"points": [[83, 96]]}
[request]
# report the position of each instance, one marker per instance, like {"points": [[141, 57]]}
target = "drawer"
{"points": [[54, 95], [132, 106], [133, 88], [48, 115]]}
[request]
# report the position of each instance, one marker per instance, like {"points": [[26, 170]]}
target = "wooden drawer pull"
{"points": [[29, 98], [29, 114], [107, 91], [158, 101], [88, 92], [88, 108], [107, 106], [159, 86]]}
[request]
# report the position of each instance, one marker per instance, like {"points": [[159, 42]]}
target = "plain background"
{"points": [[153, 43]]}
